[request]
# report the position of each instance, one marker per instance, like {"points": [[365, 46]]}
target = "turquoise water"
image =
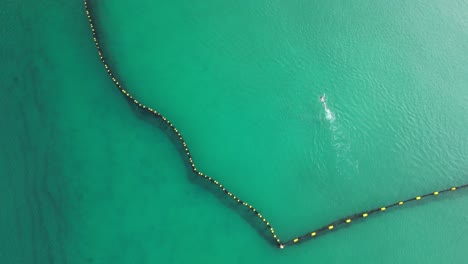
{"points": [[87, 179]]}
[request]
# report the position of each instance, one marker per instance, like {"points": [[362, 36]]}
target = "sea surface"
{"points": [[85, 177]]}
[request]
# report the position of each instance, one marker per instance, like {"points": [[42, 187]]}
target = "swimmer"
{"points": [[322, 98]]}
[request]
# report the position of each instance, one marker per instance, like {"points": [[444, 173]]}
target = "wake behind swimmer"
{"points": [[329, 115]]}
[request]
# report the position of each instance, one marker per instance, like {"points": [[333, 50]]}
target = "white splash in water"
{"points": [[346, 165], [329, 115]]}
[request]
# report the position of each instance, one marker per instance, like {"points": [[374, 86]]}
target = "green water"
{"points": [[87, 179]]}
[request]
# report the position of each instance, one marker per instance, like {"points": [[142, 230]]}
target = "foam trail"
{"points": [[328, 113], [345, 164]]}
